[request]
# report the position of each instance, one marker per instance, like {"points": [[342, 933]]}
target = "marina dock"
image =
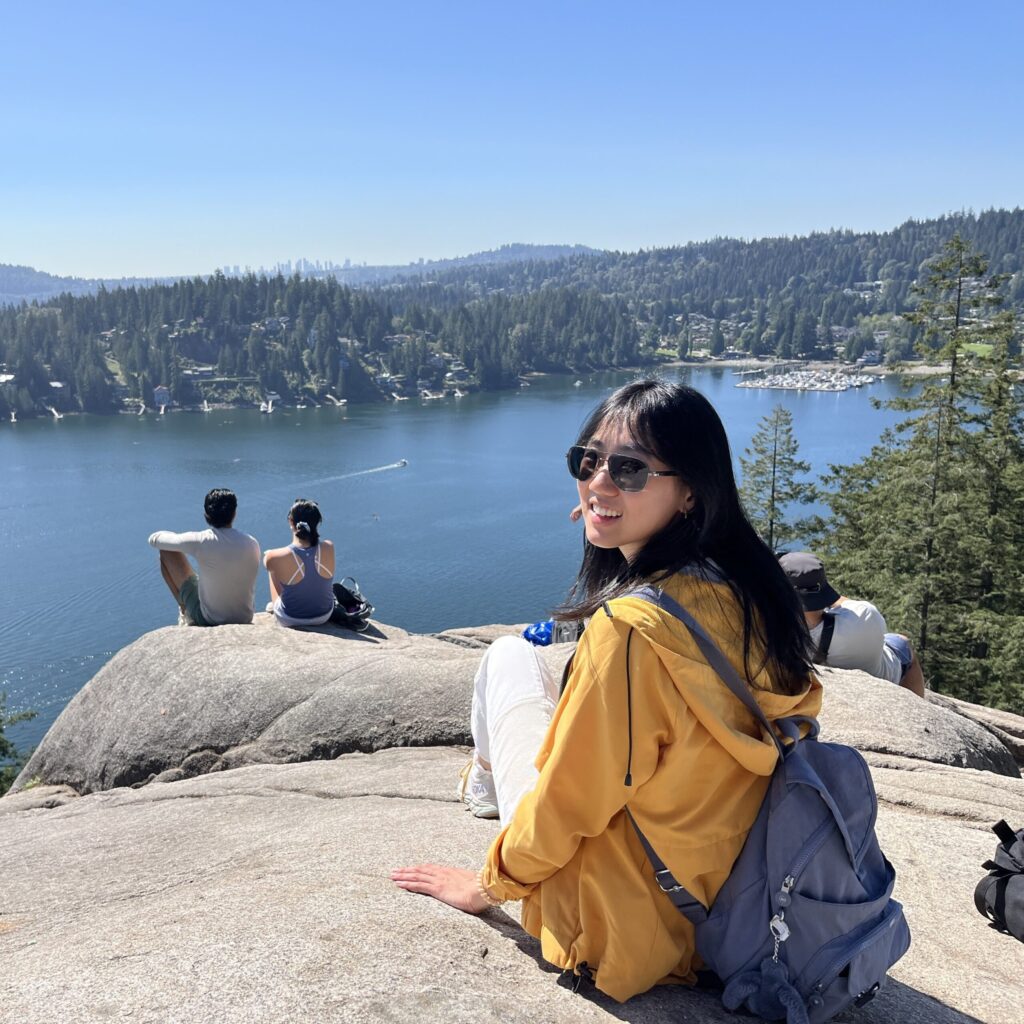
{"points": [[807, 380]]}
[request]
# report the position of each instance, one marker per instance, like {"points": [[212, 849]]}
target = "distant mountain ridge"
{"points": [[26, 284], [516, 252]]}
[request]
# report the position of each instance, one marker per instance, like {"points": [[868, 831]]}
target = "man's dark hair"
{"points": [[220, 507]]}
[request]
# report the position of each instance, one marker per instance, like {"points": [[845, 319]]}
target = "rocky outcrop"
{"points": [[1006, 727], [260, 895], [881, 719], [184, 702]]}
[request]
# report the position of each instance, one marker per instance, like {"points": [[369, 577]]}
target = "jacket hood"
{"points": [[705, 693]]}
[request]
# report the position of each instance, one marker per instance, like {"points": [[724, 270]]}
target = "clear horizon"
{"points": [[141, 144]]}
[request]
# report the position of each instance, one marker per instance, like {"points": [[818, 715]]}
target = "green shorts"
{"points": [[188, 598]]}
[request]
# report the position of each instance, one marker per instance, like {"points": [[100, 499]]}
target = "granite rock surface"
{"points": [[260, 895]]}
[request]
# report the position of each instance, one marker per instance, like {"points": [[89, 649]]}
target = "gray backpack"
{"points": [[804, 926]]}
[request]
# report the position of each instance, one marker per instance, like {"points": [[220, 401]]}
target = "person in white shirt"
{"points": [[225, 589], [847, 633]]}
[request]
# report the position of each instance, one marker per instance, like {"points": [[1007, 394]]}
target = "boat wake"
{"points": [[400, 464]]}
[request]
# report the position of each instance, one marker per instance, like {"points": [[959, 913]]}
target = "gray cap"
{"points": [[807, 575]]}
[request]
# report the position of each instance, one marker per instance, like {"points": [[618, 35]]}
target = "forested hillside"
{"points": [[483, 324], [759, 290], [234, 339]]}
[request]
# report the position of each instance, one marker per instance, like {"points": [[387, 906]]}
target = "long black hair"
{"points": [[680, 426], [305, 518]]}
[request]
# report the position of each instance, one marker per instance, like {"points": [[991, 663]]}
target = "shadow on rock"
{"points": [[895, 1002], [703, 1003], [371, 633]]}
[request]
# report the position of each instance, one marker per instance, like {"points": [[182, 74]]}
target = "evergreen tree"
{"points": [[928, 525], [770, 488], [683, 350], [995, 620], [11, 759], [784, 328], [805, 334], [717, 339]]}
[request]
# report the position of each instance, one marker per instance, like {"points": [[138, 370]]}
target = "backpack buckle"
{"points": [[674, 886], [867, 996]]}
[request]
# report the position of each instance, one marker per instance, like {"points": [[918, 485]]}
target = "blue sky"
{"points": [[138, 138]]}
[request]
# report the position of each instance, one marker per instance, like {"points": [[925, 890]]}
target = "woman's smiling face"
{"points": [[628, 519]]}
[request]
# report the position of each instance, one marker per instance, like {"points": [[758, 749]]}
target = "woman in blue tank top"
{"points": [[302, 573]]}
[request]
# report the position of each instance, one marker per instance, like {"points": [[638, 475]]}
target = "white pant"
{"points": [[514, 697]]}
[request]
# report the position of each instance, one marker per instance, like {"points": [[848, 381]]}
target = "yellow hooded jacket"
{"points": [[699, 767]]}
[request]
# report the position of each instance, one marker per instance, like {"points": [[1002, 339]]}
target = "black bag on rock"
{"points": [[999, 896], [351, 609]]}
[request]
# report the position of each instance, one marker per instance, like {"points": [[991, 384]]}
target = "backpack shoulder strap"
{"points": [[688, 905], [684, 901], [828, 627]]}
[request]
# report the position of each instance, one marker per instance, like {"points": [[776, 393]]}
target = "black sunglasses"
{"points": [[627, 472]]}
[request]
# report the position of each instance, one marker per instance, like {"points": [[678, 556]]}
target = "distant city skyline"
{"points": [[138, 141]]}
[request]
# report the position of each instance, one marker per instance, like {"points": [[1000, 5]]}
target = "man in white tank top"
{"points": [[856, 636], [225, 589]]}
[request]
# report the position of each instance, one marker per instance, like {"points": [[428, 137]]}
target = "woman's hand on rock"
{"points": [[455, 886]]}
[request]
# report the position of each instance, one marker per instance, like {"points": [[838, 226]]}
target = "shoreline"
{"points": [[909, 370]]}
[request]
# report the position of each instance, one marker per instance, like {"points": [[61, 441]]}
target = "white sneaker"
{"points": [[476, 790], [183, 619]]}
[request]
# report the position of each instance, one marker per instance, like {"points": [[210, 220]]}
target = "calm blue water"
{"points": [[474, 530]]}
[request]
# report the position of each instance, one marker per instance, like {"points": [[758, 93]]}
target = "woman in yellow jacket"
{"points": [[663, 736]]}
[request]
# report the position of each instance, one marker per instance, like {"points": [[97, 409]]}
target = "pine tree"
{"points": [[11, 759], [928, 525], [717, 339], [770, 486], [995, 619], [805, 334]]}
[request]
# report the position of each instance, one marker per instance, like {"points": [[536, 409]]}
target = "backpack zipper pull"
{"points": [[782, 897], [777, 925]]}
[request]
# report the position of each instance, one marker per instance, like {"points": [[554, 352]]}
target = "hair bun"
{"points": [[302, 526]]}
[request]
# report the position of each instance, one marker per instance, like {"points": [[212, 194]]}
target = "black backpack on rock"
{"points": [[999, 896], [351, 609]]}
